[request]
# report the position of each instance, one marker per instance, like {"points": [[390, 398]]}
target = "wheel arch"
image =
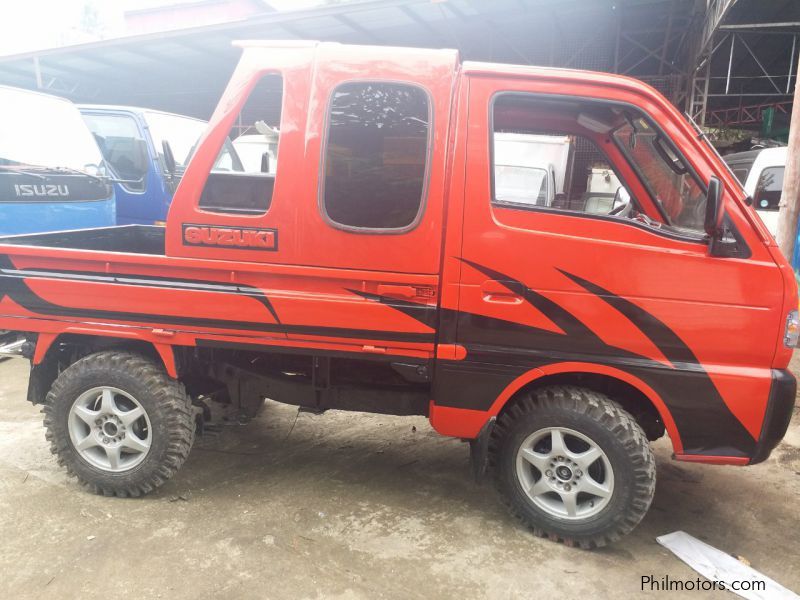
{"points": [[635, 396], [54, 351]]}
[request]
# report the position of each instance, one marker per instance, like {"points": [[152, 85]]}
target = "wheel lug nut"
{"points": [[549, 473], [579, 473], [105, 440], [567, 487]]}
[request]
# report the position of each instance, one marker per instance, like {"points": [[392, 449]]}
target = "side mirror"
{"points": [[169, 157], [714, 208], [621, 197]]}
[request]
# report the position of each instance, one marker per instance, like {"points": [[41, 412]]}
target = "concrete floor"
{"points": [[352, 506]]}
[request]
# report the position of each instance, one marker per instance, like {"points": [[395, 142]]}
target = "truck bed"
{"points": [[128, 239]]}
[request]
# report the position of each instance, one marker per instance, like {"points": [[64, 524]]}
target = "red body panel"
{"points": [[322, 288]]}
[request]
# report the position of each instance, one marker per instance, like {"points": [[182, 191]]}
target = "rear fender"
{"points": [[45, 362]]}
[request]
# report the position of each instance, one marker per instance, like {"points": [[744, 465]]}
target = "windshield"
{"points": [[44, 131], [182, 134], [680, 198], [768, 191]]}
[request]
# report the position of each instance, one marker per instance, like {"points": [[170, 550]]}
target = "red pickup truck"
{"points": [[414, 251]]}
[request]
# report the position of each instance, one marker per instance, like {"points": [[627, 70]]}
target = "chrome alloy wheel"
{"points": [[109, 429], [564, 473]]}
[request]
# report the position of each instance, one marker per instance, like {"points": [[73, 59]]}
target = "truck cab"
{"points": [[147, 152], [388, 265]]}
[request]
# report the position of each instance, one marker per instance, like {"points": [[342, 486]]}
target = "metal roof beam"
{"points": [[411, 14], [207, 58], [716, 12], [650, 53], [752, 51], [758, 26], [293, 30], [740, 115], [586, 43], [270, 18], [758, 62], [452, 9], [347, 21], [751, 95], [48, 72], [667, 39], [167, 76]]}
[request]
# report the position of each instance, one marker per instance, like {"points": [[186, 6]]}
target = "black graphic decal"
{"points": [[565, 320], [657, 331], [15, 287], [499, 350], [172, 283], [421, 312]]}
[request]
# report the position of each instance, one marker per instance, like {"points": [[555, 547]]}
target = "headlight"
{"points": [[792, 329]]}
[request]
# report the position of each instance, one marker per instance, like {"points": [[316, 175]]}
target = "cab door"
{"points": [[604, 282], [125, 149]]}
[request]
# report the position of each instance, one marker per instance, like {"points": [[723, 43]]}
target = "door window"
{"points": [[536, 166], [245, 185], [547, 155], [376, 156]]}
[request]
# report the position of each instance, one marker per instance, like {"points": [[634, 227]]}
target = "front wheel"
{"points": [[573, 465], [119, 423]]}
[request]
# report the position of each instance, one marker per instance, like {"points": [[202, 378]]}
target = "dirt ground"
{"points": [[350, 506]]}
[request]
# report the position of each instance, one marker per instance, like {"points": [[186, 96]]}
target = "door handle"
{"points": [[502, 291], [398, 291]]}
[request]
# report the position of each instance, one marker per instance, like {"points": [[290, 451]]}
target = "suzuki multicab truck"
{"points": [[381, 268]]}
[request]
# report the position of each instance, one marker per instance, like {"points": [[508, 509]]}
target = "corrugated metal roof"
{"points": [[185, 71]]}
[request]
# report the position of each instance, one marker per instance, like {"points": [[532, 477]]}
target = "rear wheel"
{"points": [[119, 423], [573, 465]]}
